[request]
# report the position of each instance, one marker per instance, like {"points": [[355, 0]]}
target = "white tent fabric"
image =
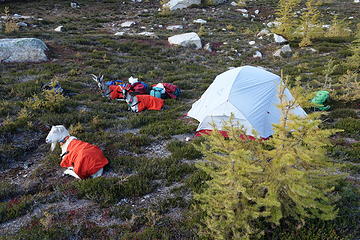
{"points": [[250, 93]]}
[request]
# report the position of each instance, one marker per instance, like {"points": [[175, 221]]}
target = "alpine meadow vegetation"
{"points": [[162, 182]]}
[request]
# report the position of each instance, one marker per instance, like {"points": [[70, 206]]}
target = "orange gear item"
{"points": [[86, 158], [116, 92], [149, 102]]}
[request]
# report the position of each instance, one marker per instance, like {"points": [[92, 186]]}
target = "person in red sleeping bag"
{"points": [[86, 158]]}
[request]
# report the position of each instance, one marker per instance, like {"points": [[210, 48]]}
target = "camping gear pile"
{"points": [[117, 89], [249, 93]]}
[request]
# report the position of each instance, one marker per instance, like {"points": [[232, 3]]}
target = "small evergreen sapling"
{"points": [[353, 62], [285, 14], [309, 23], [288, 176]]}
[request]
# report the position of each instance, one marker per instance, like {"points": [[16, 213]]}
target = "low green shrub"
{"points": [[343, 113], [182, 150], [112, 190], [14, 208], [7, 190], [37, 231], [349, 125], [167, 128], [197, 181], [122, 212]]}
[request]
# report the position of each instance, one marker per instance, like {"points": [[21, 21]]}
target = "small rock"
{"points": [[242, 10], [252, 43], [143, 27], [119, 34], [233, 4], [326, 26], [201, 21], [273, 24], [180, 4], [284, 51], [186, 39], [356, 1], [127, 24], [257, 54], [59, 29], [207, 47], [279, 39], [245, 15], [74, 4], [147, 34], [22, 24], [174, 27], [257, 12], [263, 32]]}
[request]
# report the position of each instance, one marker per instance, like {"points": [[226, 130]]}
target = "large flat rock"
{"points": [[22, 50], [180, 4], [186, 40]]}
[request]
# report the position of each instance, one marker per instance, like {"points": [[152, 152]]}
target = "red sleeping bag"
{"points": [[86, 158], [226, 134], [116, 91], [149, 102]]}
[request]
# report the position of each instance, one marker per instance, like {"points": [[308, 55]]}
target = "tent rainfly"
{"points": [[249, 93]]}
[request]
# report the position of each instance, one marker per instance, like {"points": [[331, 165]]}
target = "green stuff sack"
{"points": [[320, 98]]}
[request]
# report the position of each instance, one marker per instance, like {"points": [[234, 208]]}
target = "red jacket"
{"points": [[149, 102], [86, 158]]}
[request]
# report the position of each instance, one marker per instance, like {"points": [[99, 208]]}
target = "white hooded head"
{"points": [[56, 134], [133, 80]]}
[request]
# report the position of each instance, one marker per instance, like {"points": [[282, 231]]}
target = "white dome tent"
{"points": [[250, 93]]}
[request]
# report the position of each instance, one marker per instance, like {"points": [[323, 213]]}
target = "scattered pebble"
{"points": [[174, 27], [279, 39], [201, 21], [257, 54], [128, 24], [59, 29]]}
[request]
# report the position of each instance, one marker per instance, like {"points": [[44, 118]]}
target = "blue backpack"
{"points": [[156, 92]]}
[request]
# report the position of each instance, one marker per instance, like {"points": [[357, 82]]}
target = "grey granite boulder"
{"points": [[180, 4], [22, 50]]}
